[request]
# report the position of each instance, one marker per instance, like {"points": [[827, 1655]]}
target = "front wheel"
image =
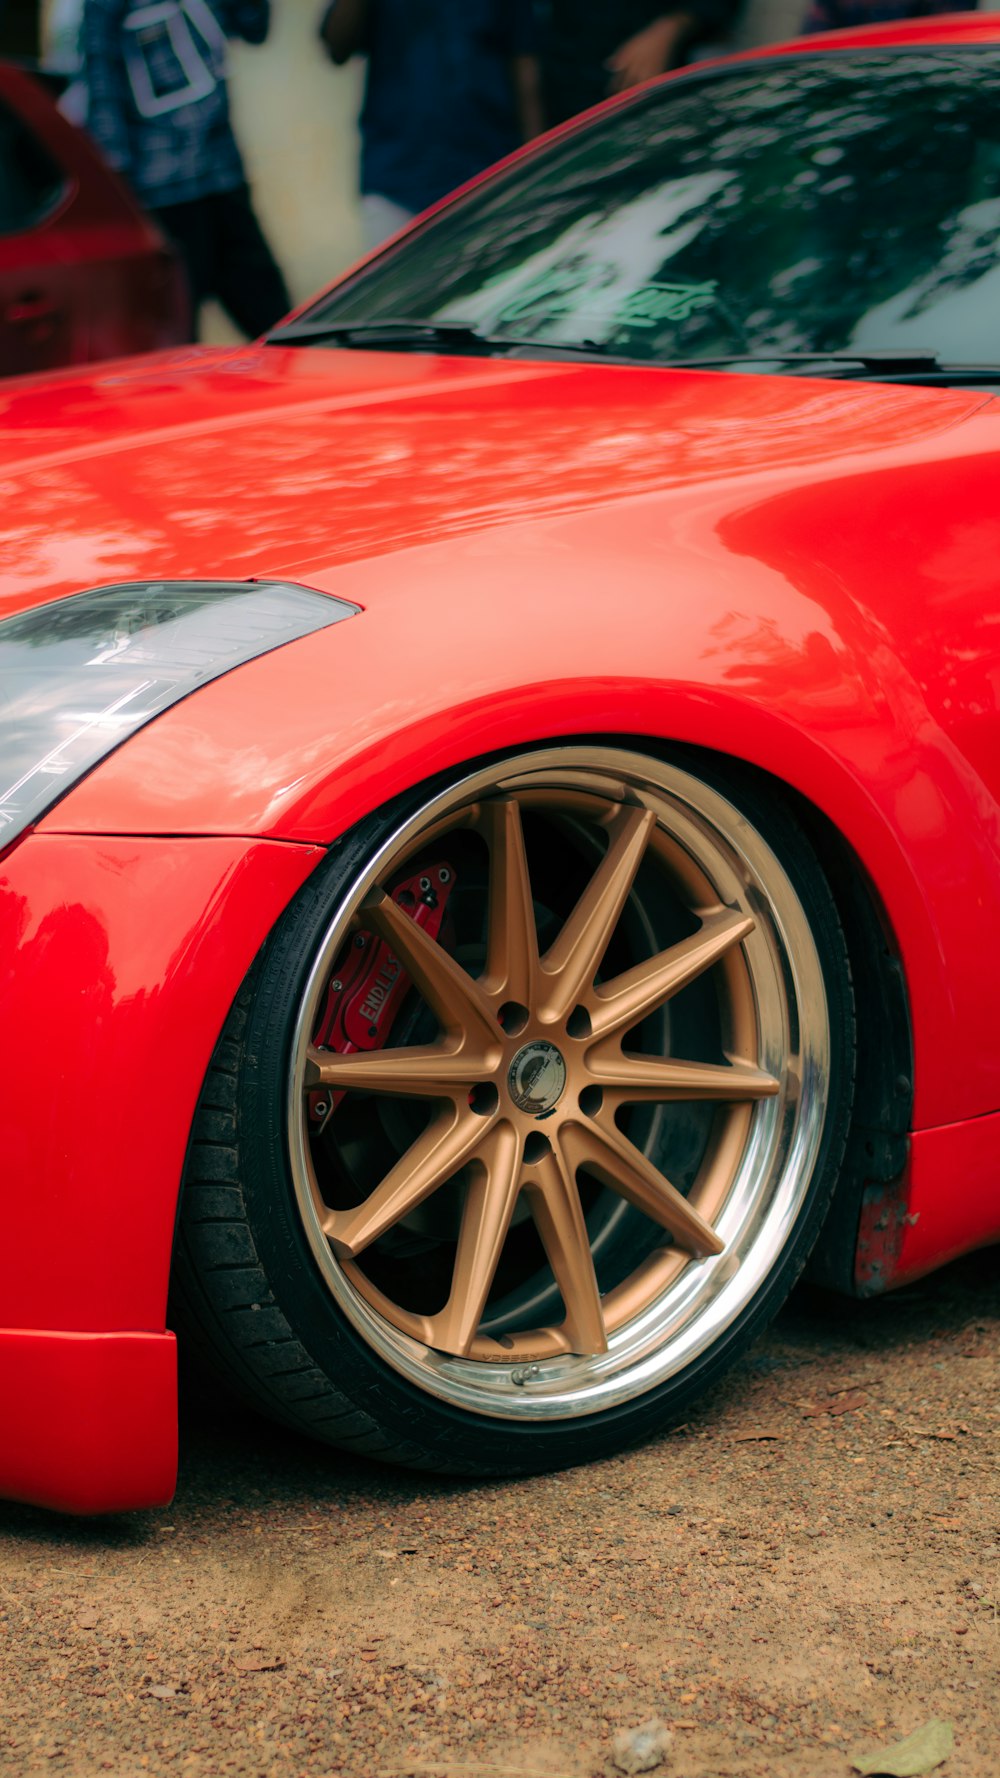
{"points": [[527, 1116]]}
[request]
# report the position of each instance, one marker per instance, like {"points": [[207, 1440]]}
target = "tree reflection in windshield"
{"points": [[810, 204]]}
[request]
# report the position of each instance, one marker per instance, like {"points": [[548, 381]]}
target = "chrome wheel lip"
{"points": [[681, 1325]]}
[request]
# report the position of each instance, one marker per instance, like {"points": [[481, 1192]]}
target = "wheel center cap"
{"points": [[536, 1078]]}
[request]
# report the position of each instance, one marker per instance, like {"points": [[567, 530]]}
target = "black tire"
{"points": [[250, 1294]]}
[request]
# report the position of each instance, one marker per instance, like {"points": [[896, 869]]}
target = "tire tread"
{"points": [[201, 1262]]}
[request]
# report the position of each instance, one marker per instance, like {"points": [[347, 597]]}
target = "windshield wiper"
{"points": [[875, 360], [459, 338], [894, 361], [400, 336], [437, 336], [883, 365]]}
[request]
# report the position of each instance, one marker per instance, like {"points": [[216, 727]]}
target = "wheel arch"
{"points": [[877, 1145], [896, 954], [269, 1241], [883, 1104], [898, 806]]}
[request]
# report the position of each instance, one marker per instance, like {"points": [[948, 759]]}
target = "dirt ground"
{"points": [[809, 1569]]}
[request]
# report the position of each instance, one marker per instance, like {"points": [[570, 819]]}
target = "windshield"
{"points": [[825, 203]]}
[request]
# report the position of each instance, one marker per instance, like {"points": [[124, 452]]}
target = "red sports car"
{"points": [[84, 274], [501, 792]]}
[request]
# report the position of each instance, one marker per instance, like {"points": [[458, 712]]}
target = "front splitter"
{"points": [[88, 1421]]}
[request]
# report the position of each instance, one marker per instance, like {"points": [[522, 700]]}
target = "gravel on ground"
{"points": [[809, 1569]]}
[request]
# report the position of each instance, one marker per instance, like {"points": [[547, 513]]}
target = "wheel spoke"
{"points": [[633, 1080], [427, 1071], [573, 960], [438, 1153], [512, 939], [622, 1002], [489, 1206], [449, 990], [612, 1159], [555, 1205], [583, 1140]]}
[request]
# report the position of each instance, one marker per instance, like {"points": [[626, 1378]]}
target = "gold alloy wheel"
{"points": [[609, 892]]}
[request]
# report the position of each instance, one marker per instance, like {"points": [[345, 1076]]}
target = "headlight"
{"points": [[81, 675]]}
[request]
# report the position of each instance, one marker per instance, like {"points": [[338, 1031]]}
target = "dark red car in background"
{"points": [[84, 275]]}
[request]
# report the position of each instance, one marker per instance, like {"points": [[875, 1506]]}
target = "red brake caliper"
{"points": [[369, 983]]}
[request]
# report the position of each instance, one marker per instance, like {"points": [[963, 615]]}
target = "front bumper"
{"points": [[119, 961], [89, 1420]]}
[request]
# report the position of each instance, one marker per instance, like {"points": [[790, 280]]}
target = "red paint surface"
{"points": [[94, 277], [120, 960], [89, 1420], [801, 574]]}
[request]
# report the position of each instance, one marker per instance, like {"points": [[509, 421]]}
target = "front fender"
{"points": [[916, 818], [792, 620]]}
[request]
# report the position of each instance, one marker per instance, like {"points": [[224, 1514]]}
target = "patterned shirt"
{"points": [[157, 101]]}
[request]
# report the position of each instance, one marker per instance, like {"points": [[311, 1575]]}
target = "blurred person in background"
{"points": [[158, 107], [590, 49], [451, 86]]}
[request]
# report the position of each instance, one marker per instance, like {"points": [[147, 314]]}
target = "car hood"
{"points": [[298, 462]]}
